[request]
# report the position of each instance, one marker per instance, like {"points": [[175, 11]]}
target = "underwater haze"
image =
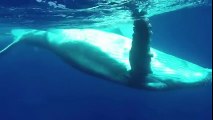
{"points": [[37, 85]]}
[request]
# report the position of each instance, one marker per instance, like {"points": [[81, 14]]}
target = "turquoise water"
{"points": [[35, 84], [99, 13]]}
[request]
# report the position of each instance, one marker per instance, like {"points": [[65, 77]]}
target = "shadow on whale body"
{"points": [[106, 55]]}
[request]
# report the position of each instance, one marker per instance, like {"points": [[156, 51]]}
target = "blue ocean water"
{"points": [[37, 85]]}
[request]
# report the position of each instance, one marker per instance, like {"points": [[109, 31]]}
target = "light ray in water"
{"points": [[100, 14]]}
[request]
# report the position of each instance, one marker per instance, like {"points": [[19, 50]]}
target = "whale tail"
{"points": [[17, 35]]}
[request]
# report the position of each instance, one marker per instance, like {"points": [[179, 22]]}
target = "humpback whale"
{"points": [[106, 55]]}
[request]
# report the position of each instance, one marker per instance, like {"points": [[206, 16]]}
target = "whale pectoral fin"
{"points": [[17, 35], [7, 48], [156, 85], [140, 57]]}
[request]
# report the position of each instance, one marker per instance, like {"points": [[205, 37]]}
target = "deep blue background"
{"points": [[37, 85]]}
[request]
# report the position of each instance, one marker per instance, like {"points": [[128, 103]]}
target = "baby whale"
{"points": [[106, 55]]}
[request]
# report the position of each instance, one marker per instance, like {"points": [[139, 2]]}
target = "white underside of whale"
{"points": [[107, 55]]}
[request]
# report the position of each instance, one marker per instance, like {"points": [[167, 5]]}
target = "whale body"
{"points": [[106, 55]]}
